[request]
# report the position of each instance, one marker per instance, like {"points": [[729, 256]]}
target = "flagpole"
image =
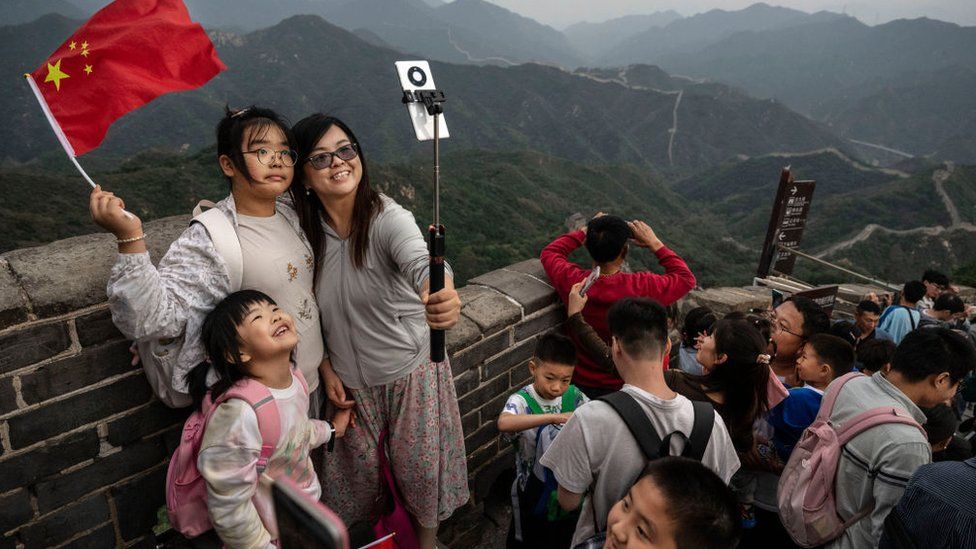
{"points": [[63, 139]]}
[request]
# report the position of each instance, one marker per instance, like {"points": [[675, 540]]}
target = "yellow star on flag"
{"points": [[72, 46], [88, 69], [55, 75], [84, 45], [84, 53]]}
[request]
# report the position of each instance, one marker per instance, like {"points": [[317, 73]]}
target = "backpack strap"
{"points": [[637, 422], [530, 401], [830, 395], [911, 317], [224, 237], [570, 398], [263, 403], [873, 417], [701, 431]]}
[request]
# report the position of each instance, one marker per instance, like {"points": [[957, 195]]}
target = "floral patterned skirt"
{"points": [[426, 448]]}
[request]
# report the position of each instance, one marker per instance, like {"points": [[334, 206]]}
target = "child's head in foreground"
{"points": [[824, 358], [874, 355], [677, 503], [552, 365], [244, 334]]}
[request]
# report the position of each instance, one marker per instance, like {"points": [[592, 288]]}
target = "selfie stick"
{"points": [[433, 101]]}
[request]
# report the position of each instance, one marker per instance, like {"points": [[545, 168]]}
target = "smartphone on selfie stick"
{"points": [[425, 105], [303, 521]]}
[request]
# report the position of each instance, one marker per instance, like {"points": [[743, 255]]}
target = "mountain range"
{"points": [[689, 132], [527, 106]]}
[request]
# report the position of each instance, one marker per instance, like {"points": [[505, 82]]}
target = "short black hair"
{"points": [[606, 237], [833, 351], [913, 291], [698, 320], [556, 348], [222, 345], [932, 351], [703, 509], [868, 306], [233, 127], [940, 423], [935, 277], [640, 326], [873, 354], [815, 320], [949, 302]]}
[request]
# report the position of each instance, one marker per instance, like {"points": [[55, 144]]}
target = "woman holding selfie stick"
{"points": [[371, 275]]}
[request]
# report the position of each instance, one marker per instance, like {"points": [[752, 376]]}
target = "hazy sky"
{"points": [[560, 13]]}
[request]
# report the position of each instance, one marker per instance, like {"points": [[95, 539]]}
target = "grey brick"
{"points": [[520, 376], [483, 435], [155, 417], [13, 306], [96, 328], [488, 309], [528, 291], [509, 359], [486, 476], [483, 394], [67, 522], [471, 422], [8, 542], [550, 318], [481, 456], [477, 353], [466, 382], [8, 397], [101, 537], [137, 501], [531, 267], [40, 462], [464, 333], [30, 345], [77, 410], [15, 510], [129, 461], [494, 406], [74, 372]]}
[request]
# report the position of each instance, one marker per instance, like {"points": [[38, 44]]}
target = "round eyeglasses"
{"points": [[323, 160], [267, 156]]}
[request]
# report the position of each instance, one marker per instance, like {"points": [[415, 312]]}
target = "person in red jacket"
{"points": [[606, 238]]}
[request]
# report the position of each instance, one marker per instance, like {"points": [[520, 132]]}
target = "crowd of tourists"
{"points": [[294, 318]]}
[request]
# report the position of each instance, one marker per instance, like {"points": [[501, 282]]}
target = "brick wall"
{"points": [[84, 445]]}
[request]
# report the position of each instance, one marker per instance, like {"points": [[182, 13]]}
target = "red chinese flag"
{"points": [[126, 55]]}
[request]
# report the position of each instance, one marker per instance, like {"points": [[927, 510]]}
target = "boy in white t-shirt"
{"points": [[533, 415], [596, 455]]}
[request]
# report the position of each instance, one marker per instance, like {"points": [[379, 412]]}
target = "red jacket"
{"points": [[677, 281]]}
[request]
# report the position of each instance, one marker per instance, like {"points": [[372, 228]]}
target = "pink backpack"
{"points": [[805, 495], [186, 489]]}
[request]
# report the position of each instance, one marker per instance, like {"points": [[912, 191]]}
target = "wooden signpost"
{"points": [[786, 225]]}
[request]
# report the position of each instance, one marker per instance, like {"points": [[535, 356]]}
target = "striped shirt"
{"points": [[938, 509], [877, 464]]}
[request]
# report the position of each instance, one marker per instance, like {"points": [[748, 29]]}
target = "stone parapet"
{"points": [[84, 444]]}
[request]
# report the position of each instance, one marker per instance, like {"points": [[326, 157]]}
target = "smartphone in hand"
{"points": [[594, 274]]}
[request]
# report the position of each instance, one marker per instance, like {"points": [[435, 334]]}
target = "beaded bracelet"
{"points": [[133, 239]]}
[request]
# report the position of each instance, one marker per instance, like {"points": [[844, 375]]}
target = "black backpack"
{"points": [[651, 444]]}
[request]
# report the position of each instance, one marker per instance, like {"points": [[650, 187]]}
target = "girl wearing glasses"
{"points": [[254, 153], [371, 276]]}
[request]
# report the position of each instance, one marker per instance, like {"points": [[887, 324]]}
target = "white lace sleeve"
{"points": [[173, 298]]}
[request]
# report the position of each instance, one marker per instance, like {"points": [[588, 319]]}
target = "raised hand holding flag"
{"points": [[126, 55]]}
